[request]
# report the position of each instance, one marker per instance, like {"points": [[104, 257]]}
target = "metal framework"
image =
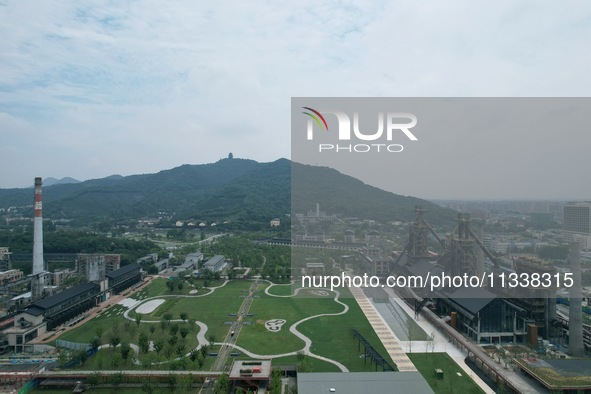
{"points": [[370, 352]]}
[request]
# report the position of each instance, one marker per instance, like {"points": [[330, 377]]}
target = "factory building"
{"points": [[5, 259], [124, 278], [215, 264], [577, 223], [48, 312], [94, 266]]}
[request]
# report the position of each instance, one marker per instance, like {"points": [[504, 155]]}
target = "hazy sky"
{"points": [[94, 88]]}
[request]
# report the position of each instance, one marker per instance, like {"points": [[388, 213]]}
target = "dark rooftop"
{"points": [[62, 296], [363, 382], [123, 270], [473, 299]]}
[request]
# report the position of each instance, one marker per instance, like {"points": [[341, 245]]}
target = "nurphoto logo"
{"points": [[396, 124]]}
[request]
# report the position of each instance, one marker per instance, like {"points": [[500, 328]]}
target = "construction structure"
{"points": [[485, 314], [39, 277], [5, 264], [577, 223]]}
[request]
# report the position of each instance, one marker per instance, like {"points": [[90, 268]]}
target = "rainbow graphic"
{"points": [[317, 116]]}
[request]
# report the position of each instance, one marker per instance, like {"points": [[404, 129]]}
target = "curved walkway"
{"points": [[293, 329], [202, 341]]}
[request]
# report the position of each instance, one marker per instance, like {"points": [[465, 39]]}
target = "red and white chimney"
{"points": [[38, 265]]}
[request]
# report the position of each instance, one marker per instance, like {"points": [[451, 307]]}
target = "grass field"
{"points": [[212, 309], [258, 339], [281, 290], [426, 363], [330, 335]]}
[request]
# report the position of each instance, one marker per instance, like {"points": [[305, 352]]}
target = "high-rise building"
{"points": [[5, 259], [577, 223]]}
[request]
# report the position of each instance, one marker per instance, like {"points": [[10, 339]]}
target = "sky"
{"points": [[95, 88]]}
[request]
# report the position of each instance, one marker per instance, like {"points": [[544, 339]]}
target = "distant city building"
{"points": [[10, 276], [112, 262], [275, 222], [315, 216], [153, 257], [191, 261], [215, 264], [59, 276], [577, 223], [349, 236], [91, 266], [4, 259]]}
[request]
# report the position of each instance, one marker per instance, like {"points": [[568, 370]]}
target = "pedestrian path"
{"points": [[440, 344], [386, 335]]}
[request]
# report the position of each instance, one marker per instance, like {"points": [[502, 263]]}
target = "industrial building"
{"points": [[66, 306], [577, 223], [94, 266], [484, 314], [5, 259], [215, 264], [123, 278], [47, 311], [191, 261], [362, 382]]}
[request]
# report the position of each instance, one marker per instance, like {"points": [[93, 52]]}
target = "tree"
{"points": [[116, 380], [93, 379], [125, 351], [184, 331], [193, 354], [148, 388], [152, 328], [170, 285], [184, 316], [204, 350], [82, 355], [171, 380], [180, 349], [173, 340], [167, 316], [200, 361], [138, 319], [223, 384], [158, 346], [143, 342], [180, 285], [174, 329], [95, 342], [114, 341]]}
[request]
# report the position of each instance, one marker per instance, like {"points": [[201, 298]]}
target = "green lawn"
{"points": [[258, 339], [212, 309], [426, 363], [281, 290], [158, 287], [311, 364], [331, 337]]}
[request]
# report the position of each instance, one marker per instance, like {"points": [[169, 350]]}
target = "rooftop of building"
{"points": [[214, 260], [123, 270], [362, 382], [259, 370], [62, 296]]}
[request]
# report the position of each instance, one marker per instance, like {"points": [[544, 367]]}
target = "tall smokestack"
{"points": [[575, 315], [38, 265], [478, 252]]}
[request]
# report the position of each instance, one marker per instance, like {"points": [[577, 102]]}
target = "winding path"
{"points": [[202, 341]]}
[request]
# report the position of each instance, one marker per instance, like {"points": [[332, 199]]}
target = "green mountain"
{"points": [[230, 189]]}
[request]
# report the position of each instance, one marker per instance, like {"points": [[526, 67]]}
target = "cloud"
{"points": [[145, 86]]}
